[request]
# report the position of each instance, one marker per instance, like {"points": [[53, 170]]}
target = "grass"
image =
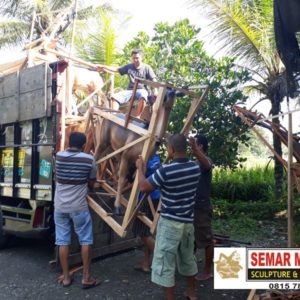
{"points": [[243, 184], [245, 207]]}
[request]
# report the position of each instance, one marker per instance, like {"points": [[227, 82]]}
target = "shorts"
{"points": [[139, 228], [174, 245], [82, 222], [124, 96], [202, 225]]}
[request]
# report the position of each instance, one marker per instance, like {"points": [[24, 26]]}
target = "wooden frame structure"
{"points": [[148, 137], [251, 119]]}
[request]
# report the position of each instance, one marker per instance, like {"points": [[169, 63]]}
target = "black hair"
{"points": [[77, 139], [178, 142], [202, 140], [137, 51]]}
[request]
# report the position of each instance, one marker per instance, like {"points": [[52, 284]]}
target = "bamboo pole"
{"points": [[77, 60], [290, 180], [63, 117]]}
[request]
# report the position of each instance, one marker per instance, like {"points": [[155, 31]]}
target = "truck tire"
{"points": [[3, 235]]}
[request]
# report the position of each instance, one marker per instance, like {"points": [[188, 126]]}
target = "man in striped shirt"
{"points": [[74, 170], [175, 232]]}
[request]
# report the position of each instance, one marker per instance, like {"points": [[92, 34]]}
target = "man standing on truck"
{"points": [[74, 171], [135, 69]]}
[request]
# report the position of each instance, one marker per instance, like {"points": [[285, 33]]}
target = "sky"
{"points": [[147, 13]]}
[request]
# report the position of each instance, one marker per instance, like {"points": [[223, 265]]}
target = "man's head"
{"points": [[177, 144], [201, 140], [77, 140], [137, 56]]}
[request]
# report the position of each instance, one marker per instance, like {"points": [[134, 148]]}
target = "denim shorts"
{"points": [[174, 245], [124, 96], [83, 227]]}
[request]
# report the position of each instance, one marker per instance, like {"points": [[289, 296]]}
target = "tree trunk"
{"points": [[278, 168]]}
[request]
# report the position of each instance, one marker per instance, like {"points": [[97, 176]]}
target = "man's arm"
{"points": [[199, 154], [107, 69], [91, 183], [144, 184], [92, 175]]}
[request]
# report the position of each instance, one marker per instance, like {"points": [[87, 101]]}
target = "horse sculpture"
{"points": [[286, 25], [112, 137]]}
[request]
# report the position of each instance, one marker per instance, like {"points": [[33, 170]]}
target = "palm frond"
{"points": [[242, 29], [13, 33], [98, 45], [59, 4]]}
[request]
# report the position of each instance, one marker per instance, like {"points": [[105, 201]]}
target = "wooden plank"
{"points": [[251, 295], [106, 157], [196, 103], [119, 121], [136, 82], [63, 118], [290, 200], [156, 218], [105, 217], [145, 152], [124, 202], [156, 84], [77, 60]]}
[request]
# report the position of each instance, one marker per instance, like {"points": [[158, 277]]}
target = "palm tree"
{"points": [[16, 27], [245, 29], [97, 38]]}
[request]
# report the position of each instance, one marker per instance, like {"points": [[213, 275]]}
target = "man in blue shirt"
{"points": [[175, 232], [141, 229]]}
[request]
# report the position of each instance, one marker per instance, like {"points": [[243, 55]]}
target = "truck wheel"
{"points": [[3, 235]]}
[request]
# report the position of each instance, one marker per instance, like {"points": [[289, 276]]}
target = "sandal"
{"points": [[203, 276], [91, 284], [141, 269]]}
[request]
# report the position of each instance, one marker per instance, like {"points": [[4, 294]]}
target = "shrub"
{"points": [[258, 210], [253, 184]]}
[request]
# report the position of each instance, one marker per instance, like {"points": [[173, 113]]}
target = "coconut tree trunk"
{"points": [[278, 168]]}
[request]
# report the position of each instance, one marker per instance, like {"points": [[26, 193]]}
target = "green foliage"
{"points": [[21, 12], [239, 228], [15, 30], [177, 56], [259, 210], [243, 29], [255, 147], [97, 43], [256, 184]]}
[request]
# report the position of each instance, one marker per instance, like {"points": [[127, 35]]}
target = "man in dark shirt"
{"points": [[135, 69], [175, 232], [203, 209]]}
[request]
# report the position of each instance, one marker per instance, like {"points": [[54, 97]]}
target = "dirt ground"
{"points": [[25, 274]]}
